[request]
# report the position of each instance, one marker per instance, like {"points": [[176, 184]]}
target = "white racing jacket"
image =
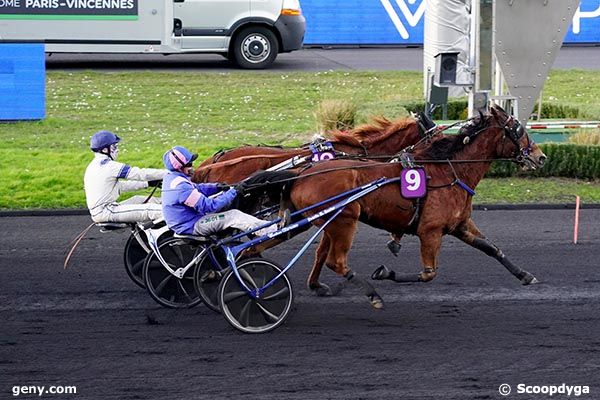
{"points": [[105, 180]]}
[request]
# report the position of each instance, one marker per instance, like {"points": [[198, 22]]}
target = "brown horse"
{"points": [[379, 138], [445, 210]]}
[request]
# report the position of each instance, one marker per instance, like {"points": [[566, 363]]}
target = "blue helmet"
{"points": [[102, 140], [178, 157]]}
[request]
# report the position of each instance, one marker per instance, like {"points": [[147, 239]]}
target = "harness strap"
{"points": [[414, 221], [456, 181]]}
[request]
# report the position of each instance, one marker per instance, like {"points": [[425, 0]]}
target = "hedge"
{"points": [[564, 160], [457, 110]]}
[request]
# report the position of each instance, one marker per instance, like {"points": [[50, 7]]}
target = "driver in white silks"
{"points": [[105, 179]]}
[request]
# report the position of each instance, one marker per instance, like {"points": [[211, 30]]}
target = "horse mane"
{"points": [[448, 146], [368, 135]]}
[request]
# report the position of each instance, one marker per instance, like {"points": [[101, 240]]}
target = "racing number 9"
{"points": [[413, 179], [413, 183]]}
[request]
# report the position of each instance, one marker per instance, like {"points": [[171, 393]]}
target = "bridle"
{"points": [[515, 132]]}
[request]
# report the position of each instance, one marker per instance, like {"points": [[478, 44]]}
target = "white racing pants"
{"points": [[131, 210], [213, 223]]}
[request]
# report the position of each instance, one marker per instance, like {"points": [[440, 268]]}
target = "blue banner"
{"points": [[586, 23], [381, 22], [22, 81]]}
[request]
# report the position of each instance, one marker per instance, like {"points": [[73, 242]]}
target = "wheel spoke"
{"points": [[162, 284], [245, 313], [248, 278], [135, 268], [179, 255], [269, 316], [185, 292], [264, 278], [278, 295], [229, 297]]}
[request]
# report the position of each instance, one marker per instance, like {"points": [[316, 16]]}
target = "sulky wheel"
{"points": [[134, 256], [164, 287], [208, 275], [251, 315]]}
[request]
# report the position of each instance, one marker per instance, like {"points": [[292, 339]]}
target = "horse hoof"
{"points": [[211, 276], [321, 290], [376, 301], [394, 247], [529, 279], [380, 273]]}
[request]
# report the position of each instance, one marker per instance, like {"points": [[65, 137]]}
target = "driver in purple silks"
{"points": [[197, 209]]}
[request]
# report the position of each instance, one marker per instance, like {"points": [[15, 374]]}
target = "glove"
{"points": [[222, 186], [241, 189], [156, 183]]}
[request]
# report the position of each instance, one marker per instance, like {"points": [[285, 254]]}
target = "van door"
{"points": [[204, 23]]}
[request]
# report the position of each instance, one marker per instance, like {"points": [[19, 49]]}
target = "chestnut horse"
{"points": [[381, 137], [446, 209]]}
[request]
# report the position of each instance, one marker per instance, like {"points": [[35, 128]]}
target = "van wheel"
{"points": [[255, 47]]}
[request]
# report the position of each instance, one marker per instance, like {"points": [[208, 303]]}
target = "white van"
{"points": [[249, 32]]}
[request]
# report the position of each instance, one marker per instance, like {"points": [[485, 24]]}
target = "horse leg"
{"points": [[430, 246], [341, 236], [319, 288], [470, 234]]}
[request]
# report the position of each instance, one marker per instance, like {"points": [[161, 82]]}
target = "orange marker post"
{"points": [[576, 227]]}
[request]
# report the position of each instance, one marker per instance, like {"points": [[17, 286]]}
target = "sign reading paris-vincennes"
{"points": [[68, 9]]}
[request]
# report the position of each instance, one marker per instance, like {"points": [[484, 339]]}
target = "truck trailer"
{"points": [[251, 33]]}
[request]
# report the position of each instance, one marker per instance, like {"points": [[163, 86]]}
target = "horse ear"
{"points": [[481, 117], [499, 110], [496, 109]]}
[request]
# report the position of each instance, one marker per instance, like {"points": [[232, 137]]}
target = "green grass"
{"points": [[536, 190], [574, 88], [42, 163]]}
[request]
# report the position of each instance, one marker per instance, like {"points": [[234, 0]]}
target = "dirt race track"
{"points": [[458, 337]]}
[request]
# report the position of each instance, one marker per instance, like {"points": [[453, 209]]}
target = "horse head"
{"points": [[516, 143]]}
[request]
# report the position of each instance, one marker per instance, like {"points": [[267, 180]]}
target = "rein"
{"points": [[295, 178], [75, 242], [457, 181], [150, 195], [515, 132], [236, 161]]}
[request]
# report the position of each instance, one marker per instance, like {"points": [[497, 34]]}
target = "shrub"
{"points": [[550, 110], [457, 109], [590, 138], [335, 115], [564, 160]]}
